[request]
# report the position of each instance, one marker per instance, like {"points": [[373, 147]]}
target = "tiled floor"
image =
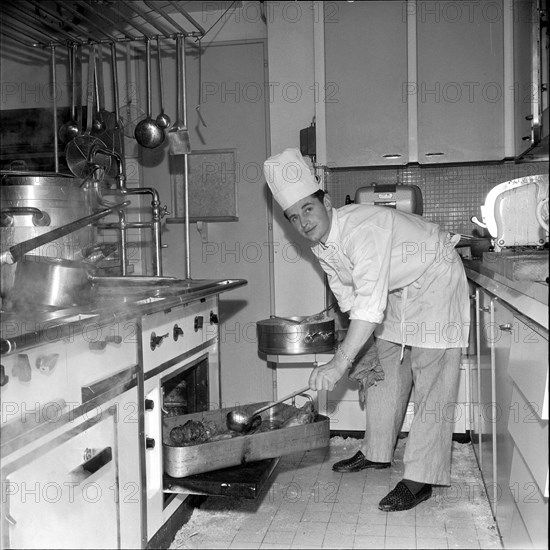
{"points": [[307, 505]]}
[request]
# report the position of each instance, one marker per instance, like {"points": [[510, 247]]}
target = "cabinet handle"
{"points": [[93, 464], [526, 138], [149, 443], [529, 117], [214, 318], [507, 327], [392, 156], [434, 154], [486, 309]]}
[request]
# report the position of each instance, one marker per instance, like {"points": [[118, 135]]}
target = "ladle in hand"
{"points": [[239, 421]]}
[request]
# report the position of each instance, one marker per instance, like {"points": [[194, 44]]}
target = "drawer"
{"points": [[528, 365], [530, 436], [532, 505], [168, 334]]}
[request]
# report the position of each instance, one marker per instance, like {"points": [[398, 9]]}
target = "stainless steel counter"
{"points": [[527, 297], [111, 303]]}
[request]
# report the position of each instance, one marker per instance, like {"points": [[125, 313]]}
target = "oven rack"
{"points": [[42, 23]]}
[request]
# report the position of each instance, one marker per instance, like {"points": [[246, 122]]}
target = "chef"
{"points": [[397, 276]]}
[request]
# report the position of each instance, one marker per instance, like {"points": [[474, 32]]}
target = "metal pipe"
{"points": [[134, 7], [54, 86], [188, 17], [109, 22], [185, 167], [123, 241], [41, 6], [166, 16]]}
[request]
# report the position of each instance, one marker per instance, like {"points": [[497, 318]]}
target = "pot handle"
{"points": [[310, 337], [39, 218]]}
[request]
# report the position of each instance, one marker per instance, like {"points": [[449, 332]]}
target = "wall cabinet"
{"points": [[530, 77], [365, 79], [429, 74], [460, 81]]}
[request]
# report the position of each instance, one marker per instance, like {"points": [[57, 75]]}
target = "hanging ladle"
{"points": [[148, 133], [71, 128], [239, 421], [163, 120]]}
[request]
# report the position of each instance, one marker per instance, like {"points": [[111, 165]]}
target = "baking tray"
{"points": [[241, 449]]}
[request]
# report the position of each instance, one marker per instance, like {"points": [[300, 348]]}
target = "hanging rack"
{"points": [[60, 22]]}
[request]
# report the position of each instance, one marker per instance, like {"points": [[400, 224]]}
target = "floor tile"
{"points": [[399, 542], [429, 543], [401, 531], [307, 505], [368, 542]]}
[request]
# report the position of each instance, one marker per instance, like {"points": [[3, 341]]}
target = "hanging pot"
{"points": [[277, 336]]}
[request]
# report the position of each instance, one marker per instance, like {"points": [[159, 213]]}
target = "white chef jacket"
{"points": [[399, 271]]}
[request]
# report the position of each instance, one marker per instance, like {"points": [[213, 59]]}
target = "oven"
{"points": [[179, 350]]}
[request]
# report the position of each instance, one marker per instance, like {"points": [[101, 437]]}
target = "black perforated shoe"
{"points": [[402, 498], [358, 462]]}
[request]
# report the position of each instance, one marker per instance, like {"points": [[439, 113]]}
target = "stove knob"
{"points": [[149, 443], [4, 378], [177, 332], [214, 318], [157, 340], [199, 322], [149, 404]]}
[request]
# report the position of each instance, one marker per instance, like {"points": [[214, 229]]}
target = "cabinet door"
{"points": [[524, 86], [487, 406], [504, 338], [64, 495], [460, 81], [366, 83]]}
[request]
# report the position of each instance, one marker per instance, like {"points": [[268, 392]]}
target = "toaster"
{"points": [[407, 198]]}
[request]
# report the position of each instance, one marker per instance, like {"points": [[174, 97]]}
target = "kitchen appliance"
{"points": [[180, 358], [291, 337], [407, 198], [33, 203], [515, 212]]}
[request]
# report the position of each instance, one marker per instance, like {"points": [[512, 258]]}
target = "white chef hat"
{"points": [[289, 177]]}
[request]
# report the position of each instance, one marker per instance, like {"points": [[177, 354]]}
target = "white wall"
{"points": [[299, 286]]}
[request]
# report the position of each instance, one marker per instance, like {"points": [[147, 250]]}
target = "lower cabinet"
{"points": [[65, 493], [509, 422], [78, 487]]}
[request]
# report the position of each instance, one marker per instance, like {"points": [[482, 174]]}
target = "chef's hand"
{"points": [[326, 376]]}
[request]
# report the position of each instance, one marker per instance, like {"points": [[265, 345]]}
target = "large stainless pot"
{"points": [[35, 203], [283, 337]]}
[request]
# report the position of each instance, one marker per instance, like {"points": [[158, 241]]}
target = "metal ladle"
{"points": [[163, 120], [148, 133], [239, 421], [71, 128]]}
